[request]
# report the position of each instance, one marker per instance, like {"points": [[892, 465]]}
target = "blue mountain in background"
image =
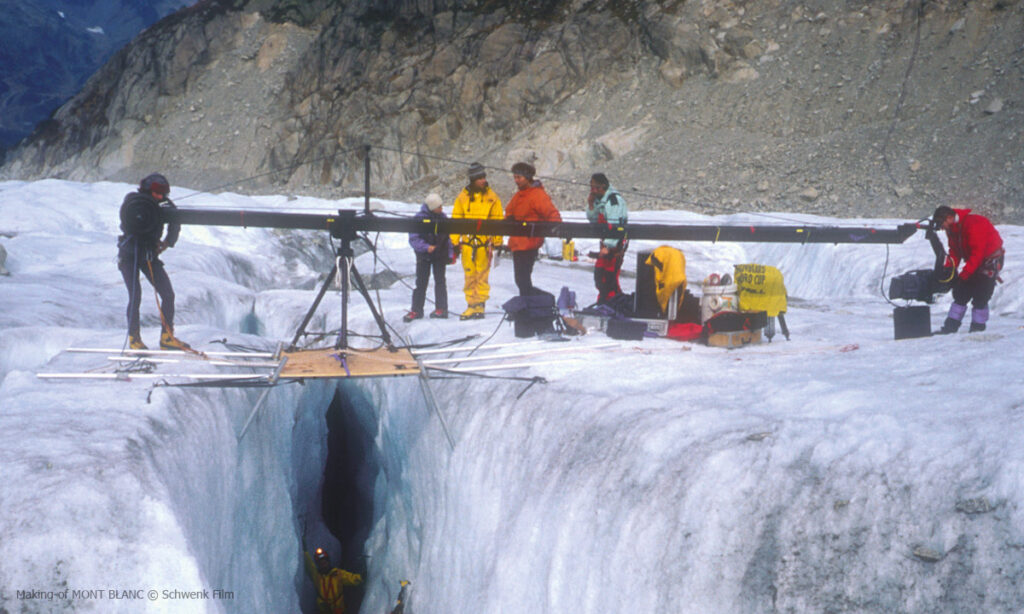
{"points": [[49, 48]]}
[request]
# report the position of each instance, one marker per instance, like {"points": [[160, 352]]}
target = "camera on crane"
{"points": [[924, 284], [920, 285]]}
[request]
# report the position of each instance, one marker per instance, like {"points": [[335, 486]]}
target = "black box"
{"points": [[625, 329], [645, 299], [912, 322]]}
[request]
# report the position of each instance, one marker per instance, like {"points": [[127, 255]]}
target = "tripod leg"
{"points": [[309, 314], [358, 280]]}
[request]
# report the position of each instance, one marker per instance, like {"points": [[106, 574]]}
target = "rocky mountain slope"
{"points": [[851, 108], [48, 48]]}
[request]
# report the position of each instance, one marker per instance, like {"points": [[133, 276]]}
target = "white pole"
{"points": [[217, 363], [519, 365], [169, 352], [482, 348], [517, 354], [131, 376]]}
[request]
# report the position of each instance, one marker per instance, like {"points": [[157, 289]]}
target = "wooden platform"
{"points": [[359, 363]]}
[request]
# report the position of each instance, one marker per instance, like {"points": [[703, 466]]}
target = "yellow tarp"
{"points": [[669, 272], [760, 288]]}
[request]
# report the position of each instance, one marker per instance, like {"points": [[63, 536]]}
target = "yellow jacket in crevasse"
{"points": [[477, 204], [329, 586]]}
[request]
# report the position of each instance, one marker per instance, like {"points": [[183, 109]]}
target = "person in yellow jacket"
{"points": [[477, 201], [329, 582]]}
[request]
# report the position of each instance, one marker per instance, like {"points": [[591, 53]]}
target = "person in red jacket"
{"points": [[975, 244], [530, 203]]}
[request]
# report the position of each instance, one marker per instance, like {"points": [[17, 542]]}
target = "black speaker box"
{"points": [[625, 329], [912, 322], [646, 298]]}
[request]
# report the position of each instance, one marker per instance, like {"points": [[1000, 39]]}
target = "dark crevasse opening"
{"points": [[350, 473]]}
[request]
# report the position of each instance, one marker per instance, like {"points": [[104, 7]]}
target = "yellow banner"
{"points": [[760, 288]]}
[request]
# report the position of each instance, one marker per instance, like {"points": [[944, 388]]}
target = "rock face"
{"points": [[854, 109]]}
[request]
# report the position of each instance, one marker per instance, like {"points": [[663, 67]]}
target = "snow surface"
{"points": [[837, 471]]}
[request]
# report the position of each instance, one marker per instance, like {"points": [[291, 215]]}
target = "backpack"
{"points": [[534, 314]]}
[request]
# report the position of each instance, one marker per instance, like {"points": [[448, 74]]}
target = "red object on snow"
{"points": [[684, 331]]}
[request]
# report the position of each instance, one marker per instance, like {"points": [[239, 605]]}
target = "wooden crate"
{"points": [[735, 339]]}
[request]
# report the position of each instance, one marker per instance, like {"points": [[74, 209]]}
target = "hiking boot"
{"points": [[412, 315], [473, 312], [169, 342], [948, 327], [135, 343], [976, 327], [439, 314]]}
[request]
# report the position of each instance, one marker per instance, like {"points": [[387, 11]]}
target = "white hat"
{"points": [[433, 201]]}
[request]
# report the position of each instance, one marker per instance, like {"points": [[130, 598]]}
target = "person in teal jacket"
{"points": [[606, 206]]}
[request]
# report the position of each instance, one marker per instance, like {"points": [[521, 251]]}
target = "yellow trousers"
{"points": [[476, 264]]}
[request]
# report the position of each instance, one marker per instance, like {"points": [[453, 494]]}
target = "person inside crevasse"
{"points": [[329, 581]]}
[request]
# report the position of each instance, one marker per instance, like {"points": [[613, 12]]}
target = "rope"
{"points": [[633, 192], [903, 92], [163, 321], [290, 167]]}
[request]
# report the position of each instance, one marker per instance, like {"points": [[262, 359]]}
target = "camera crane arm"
{"points": [[346, 224]]}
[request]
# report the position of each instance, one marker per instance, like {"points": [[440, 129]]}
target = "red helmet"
{"points": [[155, 183]]}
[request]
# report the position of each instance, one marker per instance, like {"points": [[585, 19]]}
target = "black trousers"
{"points": [[130, 267], [522, 267], [425, 263], [978, 288]]}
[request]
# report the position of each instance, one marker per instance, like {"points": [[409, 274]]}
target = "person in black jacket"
{"points": [[139, 248]]}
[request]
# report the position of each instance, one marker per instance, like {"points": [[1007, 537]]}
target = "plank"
{"points": [[325, 363]]}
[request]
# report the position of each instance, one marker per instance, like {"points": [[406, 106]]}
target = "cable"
{"points": [[627, 191], [881, 286], [489, 337], [279, 170], [903, 92]]}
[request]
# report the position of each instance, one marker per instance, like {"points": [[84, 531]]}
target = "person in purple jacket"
{"points": [[434, 252]]}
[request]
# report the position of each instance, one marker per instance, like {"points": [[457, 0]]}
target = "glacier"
{"points": [[838, 471]]}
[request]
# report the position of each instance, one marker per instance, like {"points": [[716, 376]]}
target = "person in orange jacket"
{"points": [[974, 243], [329, 582], [530, 203]]}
